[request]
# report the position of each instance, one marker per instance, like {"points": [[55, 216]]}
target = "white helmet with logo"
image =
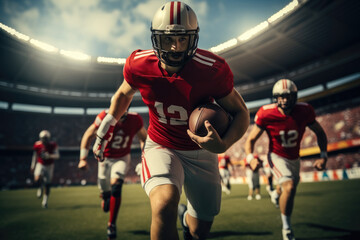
{"points": [[285, 87], [175, 18]]}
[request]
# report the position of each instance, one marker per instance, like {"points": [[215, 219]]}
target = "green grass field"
{"points": [[323, 210]]}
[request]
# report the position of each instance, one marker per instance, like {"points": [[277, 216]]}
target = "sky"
{"points": [[115, 28]]}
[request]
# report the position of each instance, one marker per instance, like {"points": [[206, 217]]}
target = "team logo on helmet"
{"points": [[174, 18], [285, 88]]}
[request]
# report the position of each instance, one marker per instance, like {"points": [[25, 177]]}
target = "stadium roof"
{"points": [[316, 43]]}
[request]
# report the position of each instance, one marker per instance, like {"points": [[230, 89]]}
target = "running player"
{"points": [[112, 171], [285, 121], [173, 79], [253, 180], [42, 164], [225, 166]]}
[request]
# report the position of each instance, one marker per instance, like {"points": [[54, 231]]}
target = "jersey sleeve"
{"points": [[259, 119], [137, 122], [225, 78], [127, 71], [311, 115], [99, 118]]}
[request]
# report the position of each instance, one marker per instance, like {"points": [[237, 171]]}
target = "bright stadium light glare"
{"points": [[69, 110], [4, 105], [43, 46], [255, 30], [288, 8], [120, 61], [75, 55], [14, 32], [220, 47]]}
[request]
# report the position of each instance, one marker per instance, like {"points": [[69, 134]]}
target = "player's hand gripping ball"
{"points": [[212, 112]]}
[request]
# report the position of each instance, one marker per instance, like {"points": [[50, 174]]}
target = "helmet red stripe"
{"points": [[172, 13], [178, 12], [284, 84]]}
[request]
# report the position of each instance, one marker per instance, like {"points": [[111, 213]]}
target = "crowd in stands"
{"points": [[20, 131]]}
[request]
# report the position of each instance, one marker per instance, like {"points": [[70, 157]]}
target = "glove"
{"points": [[45, 155], [99, 148], [138, 169], [104, 135]]}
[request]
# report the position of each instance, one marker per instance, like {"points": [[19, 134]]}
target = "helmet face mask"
{"points": [[285, 94], [174, 19], [44, 136]]}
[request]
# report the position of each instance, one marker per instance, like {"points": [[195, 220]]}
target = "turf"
{"points": [[323, 210]]}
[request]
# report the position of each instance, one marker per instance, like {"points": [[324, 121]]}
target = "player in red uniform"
{"points": [[225, 166], [285, 121], [42, 164], [111, 172], [173, 79]]}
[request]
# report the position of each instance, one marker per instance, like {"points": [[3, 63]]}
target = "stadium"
{"points": [[314, 43]]}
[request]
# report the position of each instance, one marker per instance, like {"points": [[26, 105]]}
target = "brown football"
{"points": [[212, 112]]}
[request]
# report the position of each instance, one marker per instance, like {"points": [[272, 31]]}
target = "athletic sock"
{"points": [[114, 208], [45, 199], [184, 219], [286, 221]]}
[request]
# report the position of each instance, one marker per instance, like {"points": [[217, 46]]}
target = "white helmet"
{"points": [[174, 18], [285, 87], [44, 134]]}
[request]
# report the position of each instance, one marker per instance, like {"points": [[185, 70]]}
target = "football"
{"points": [[212, 112]]}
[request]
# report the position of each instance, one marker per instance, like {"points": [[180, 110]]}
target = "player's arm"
{"points": [[142, 134], [55, 155], [319, 164], [254, 135], [119, 105], [33, 161], [86, 140], [234, 104]]}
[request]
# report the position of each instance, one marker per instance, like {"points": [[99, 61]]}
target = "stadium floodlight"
{"points": [[75, 55], [44, 46], [227, 44], [253, 31], [14, 32], [120, 61], [288, 8]]}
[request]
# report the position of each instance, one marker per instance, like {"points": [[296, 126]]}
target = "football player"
{"points": [[173, 78], [285, 121], [42, 165], [253, 180], [225, 166], [111, 171]]}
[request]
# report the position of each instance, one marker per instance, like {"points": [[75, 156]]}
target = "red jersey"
{"points": [[171, 99], [123, 135], [40, 148], [285, 131], [224, 161]]}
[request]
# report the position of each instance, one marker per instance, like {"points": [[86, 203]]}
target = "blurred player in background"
{"points": [[42, 164], [112, 171], [225, 166], [174, 78], [253, 180], [285, 121]]}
